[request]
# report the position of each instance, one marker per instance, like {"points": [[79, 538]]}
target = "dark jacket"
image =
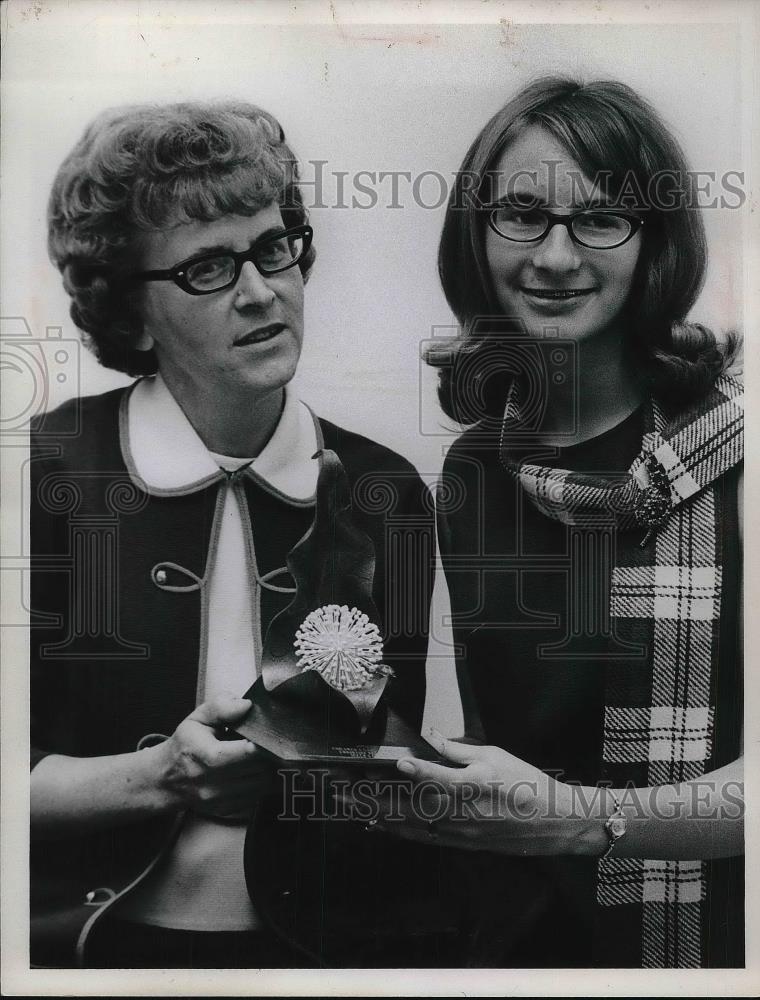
{"points": [[117, 637]]}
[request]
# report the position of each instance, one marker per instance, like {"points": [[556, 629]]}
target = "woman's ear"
{"points": [[144, 342]]}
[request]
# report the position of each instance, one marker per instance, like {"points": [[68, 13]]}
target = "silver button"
{"points": [[99, 896]]}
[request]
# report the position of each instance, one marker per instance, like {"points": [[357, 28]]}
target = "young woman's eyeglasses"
{"points": [[597, 229], [215, 271]]}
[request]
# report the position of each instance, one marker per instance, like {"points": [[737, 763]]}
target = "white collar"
{"points": [[164, 453]]}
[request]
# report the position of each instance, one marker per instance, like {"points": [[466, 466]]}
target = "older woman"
{"points": [[590, 529], [162, 518]]}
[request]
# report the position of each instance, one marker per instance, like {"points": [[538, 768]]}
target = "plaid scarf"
{"points": [[666, 598]]}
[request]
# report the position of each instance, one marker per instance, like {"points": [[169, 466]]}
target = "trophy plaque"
{"points": [[321, 696]]}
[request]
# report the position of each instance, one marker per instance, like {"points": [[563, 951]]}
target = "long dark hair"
{"points": [[613, 133]]}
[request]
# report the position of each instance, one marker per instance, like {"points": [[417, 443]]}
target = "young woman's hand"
{"points": [[488, 800]]}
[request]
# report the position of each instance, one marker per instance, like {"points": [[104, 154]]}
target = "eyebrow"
{"points": [[225, 248], [535, 201]]}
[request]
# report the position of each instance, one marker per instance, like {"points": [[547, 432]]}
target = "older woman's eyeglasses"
{"points": [[596, 229], [215, 271]]}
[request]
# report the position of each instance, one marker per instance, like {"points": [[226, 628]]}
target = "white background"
{"points": [[364, 86], [363, 98]]}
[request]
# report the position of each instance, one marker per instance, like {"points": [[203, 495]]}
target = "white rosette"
{"points": [[342, 645]]}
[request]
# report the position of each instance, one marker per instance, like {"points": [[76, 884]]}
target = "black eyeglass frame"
{"points": [[178, 273], [553, 219]]}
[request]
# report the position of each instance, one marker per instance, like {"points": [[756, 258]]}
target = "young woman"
{"points": [[589, 524]]}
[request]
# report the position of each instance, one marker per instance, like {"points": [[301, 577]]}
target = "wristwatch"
{"points": [[616, 825]]}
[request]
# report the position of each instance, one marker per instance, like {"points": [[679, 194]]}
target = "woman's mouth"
{"points": [[555, 301], [260, 335], [557, 294]]}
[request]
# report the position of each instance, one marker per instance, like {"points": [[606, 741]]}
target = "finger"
{"points": [[341, 775], [238, 792], [220, 711], [378, 772], [247, 768], [344, 805], [392, 809], [437, 834], [459, 753], [425, 770], [242, 787], [215, 753]]}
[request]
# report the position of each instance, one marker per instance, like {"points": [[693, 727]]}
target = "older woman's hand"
{"points": [[490, 800], [212, 775], [196, 768]]}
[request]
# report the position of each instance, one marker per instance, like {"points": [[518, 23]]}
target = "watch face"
{"points": [[616, 826]]}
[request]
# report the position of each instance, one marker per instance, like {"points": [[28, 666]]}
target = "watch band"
{"points": [[616, 825]]}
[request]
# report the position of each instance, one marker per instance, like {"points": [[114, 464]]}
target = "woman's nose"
{"points": [[252, 287], [557, 251]]}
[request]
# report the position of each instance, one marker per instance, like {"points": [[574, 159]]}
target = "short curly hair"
{"points": [[142, 168]]}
